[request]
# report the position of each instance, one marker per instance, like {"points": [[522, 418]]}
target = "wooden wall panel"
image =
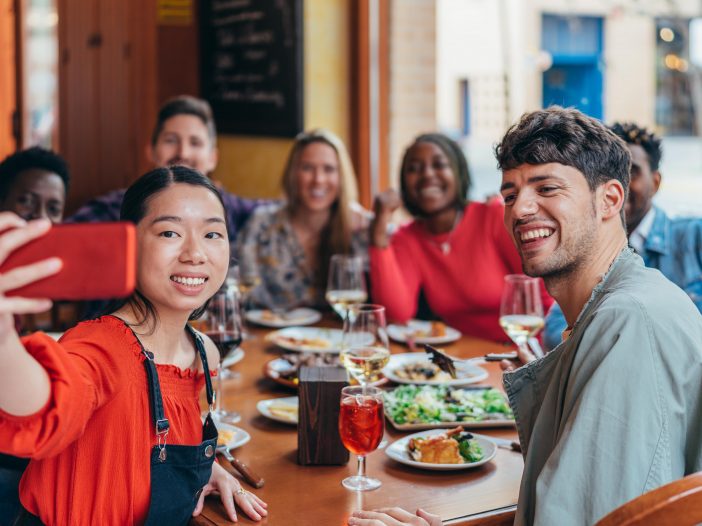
{"points": [[107, 85], [7, 77], [78, 97]]}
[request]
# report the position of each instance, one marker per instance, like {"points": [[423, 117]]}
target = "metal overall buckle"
{"points": [[161, 437]]}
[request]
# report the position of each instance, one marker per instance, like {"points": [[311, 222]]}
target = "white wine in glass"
{"points": [[341, 300], [365, 348], [521, 311], [346, 284], [365, 363]]}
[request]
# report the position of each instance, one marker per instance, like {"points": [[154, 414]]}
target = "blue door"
{"points": [[575, 78]]}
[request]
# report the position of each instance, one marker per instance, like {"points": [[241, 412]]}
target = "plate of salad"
{"points": [[415, 407]]}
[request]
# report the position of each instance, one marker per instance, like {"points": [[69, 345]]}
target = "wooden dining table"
{"points": [[313, 495]]}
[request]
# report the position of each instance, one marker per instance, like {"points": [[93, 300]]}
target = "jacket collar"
{"points": [[658, 239]]}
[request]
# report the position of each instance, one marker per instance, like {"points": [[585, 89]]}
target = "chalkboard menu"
{"points": [[251, 65]]}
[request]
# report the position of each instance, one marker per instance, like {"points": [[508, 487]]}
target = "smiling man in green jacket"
{"points": [[616, 409]]}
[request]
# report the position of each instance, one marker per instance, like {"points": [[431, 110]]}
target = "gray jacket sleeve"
{"points": [[614, 441]]}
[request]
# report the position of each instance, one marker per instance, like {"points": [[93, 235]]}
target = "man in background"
{"points": [[34, 184], [673, 246], [184, 134]]}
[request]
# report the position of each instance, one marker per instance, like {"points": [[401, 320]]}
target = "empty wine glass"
{"points": [[346, 284], [365, 348], [521, 311], [361, 427], [223, 326], [245, 280]]}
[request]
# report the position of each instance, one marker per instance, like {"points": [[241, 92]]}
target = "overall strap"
{"points": [[157, 414], [200, 345]]}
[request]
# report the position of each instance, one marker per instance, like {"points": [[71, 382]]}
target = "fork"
{"points": [[448, 363]]}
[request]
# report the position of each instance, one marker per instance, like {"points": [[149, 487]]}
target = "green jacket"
{"points": [[615, 410]]}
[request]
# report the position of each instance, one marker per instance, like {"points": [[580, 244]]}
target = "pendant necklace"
{"points": [[445, 246]]}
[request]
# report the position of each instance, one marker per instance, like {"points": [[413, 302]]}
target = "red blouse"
{"points": [[463, 286], [90, 444]]}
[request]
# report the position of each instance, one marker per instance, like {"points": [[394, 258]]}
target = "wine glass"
{"points": [[364, 345], [521, 311], [223, 326], [346, 284], [246, 280], [361, 428]]}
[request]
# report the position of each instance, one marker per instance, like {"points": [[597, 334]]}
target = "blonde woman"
{"points": [[288, 245]]}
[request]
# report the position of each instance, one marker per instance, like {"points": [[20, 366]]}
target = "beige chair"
{"points": [[678, 503]]}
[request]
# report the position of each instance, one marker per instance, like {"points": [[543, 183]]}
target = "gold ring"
{"points": [[240, 491]]}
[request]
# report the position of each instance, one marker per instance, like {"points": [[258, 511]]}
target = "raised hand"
{"points": [[14, 233], [384, 205]]}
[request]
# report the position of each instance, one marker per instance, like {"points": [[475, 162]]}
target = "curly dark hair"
{"points": [[459, 166], [631, 133], [31, 158], [568, 137]]}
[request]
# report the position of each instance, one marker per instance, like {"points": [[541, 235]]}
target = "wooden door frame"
{"points": [[370, 73]]}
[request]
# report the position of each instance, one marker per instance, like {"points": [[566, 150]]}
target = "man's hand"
{"points": [[525, 356], [393, 517]]}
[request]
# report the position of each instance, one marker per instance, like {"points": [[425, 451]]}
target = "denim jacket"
{"points": [[673, 246], [616, 409]]}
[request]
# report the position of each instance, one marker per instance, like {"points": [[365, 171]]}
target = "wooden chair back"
{"points": [[678, 503]]}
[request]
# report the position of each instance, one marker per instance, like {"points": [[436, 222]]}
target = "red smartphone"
{"points": [[99, 262]]}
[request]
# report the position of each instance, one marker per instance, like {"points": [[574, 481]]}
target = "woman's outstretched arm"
{"points": [[24, 384]]}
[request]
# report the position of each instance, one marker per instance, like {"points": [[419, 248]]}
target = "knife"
{"points": [[507, 444], [246, 472]]}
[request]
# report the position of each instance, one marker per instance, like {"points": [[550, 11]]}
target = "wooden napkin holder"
{"points": [[318, 440]]}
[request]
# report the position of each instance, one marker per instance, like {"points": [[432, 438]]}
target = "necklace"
{"points": [[445, 246]]}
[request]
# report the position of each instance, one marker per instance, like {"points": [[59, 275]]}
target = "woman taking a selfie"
{"points": [[110, 415]]}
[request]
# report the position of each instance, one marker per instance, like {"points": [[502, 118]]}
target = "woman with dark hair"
{"points": [[455, 253], [288, 245], [110, 414]]}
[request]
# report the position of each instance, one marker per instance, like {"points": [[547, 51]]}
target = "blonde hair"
{"points": [[336, 237]]}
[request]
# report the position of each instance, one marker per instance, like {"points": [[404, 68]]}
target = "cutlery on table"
{"points": [[448, 364], [249, 475], [507, 444]]}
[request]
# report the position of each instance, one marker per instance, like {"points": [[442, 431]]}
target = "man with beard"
{"points": [[615, 410], [184, 134], [672, 245]]}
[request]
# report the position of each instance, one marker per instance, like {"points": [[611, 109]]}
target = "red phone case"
{"points": [[99, 262]]}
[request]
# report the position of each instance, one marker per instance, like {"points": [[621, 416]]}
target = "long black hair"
{"points": [[135, 206]]}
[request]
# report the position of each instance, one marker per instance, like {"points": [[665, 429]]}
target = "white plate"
{"points": [[239, 438], [266, 318], [399, 333], [55, 335], [329, 339], [291, 402], [398, 451], [233, 358], [466, 373]]}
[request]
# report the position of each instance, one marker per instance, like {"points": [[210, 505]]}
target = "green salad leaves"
{"points": [[429, 404]]}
